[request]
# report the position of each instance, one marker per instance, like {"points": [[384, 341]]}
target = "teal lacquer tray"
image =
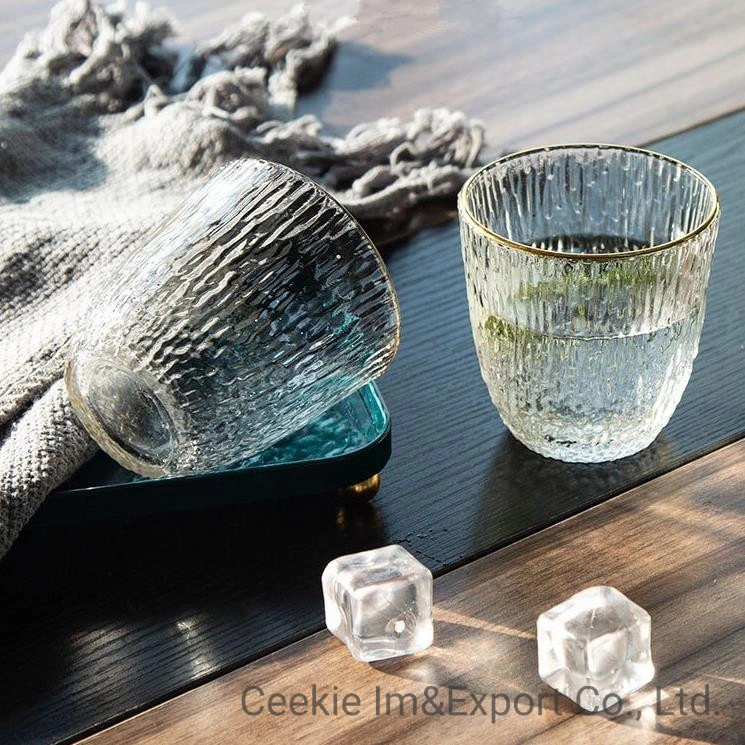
{"points": [[343, 449]]}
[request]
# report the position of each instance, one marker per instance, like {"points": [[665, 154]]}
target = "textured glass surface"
{"points": [[353, 424], [346, 428], [255, 308], [586, 271], [379, 603], [595, 644]]}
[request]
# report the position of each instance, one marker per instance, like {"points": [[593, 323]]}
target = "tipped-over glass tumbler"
{"points": [[254, 308], [586, 271]]}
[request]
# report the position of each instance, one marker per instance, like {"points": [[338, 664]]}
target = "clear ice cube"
{"points": [[379, 603], [595, 644]]}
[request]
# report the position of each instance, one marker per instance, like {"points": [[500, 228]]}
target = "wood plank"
{"points": [[534, 71], [676, 545]]}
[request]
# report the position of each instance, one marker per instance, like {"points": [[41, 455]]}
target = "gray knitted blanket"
{"points": [[107, 121]]}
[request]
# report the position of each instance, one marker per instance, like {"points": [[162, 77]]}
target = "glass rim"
{"points": [[336, 203], [464, 210]]}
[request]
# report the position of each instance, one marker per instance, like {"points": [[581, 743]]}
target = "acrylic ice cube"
{"points": [[595, 644], [379, 603]]}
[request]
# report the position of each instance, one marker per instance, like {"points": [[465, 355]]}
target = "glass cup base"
{"points": [[122, 413], [585, 448]]}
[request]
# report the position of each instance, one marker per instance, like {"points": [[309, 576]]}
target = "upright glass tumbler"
{"points": [[586, 272], [257, 306]]}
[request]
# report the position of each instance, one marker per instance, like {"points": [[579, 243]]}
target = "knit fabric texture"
{"points": [[108, 120]]}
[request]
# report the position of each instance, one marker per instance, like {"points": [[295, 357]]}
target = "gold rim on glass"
{"points": [[382, 266], [478, 225]]}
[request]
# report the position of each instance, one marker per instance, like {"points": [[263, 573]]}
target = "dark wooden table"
{"points": [[674, 544], [103, 621]]}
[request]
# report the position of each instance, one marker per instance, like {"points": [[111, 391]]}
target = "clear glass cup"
{"points": [[586, 271], [254, 308]]}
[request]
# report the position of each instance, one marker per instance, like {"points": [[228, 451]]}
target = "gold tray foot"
{"points": [[364, 491]]}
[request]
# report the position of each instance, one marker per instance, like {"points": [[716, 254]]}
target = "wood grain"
{"points": [[676, 545], [534, 71]]}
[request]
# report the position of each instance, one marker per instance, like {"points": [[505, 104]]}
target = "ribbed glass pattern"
{"points": [[586, 271], [256, 307]]}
